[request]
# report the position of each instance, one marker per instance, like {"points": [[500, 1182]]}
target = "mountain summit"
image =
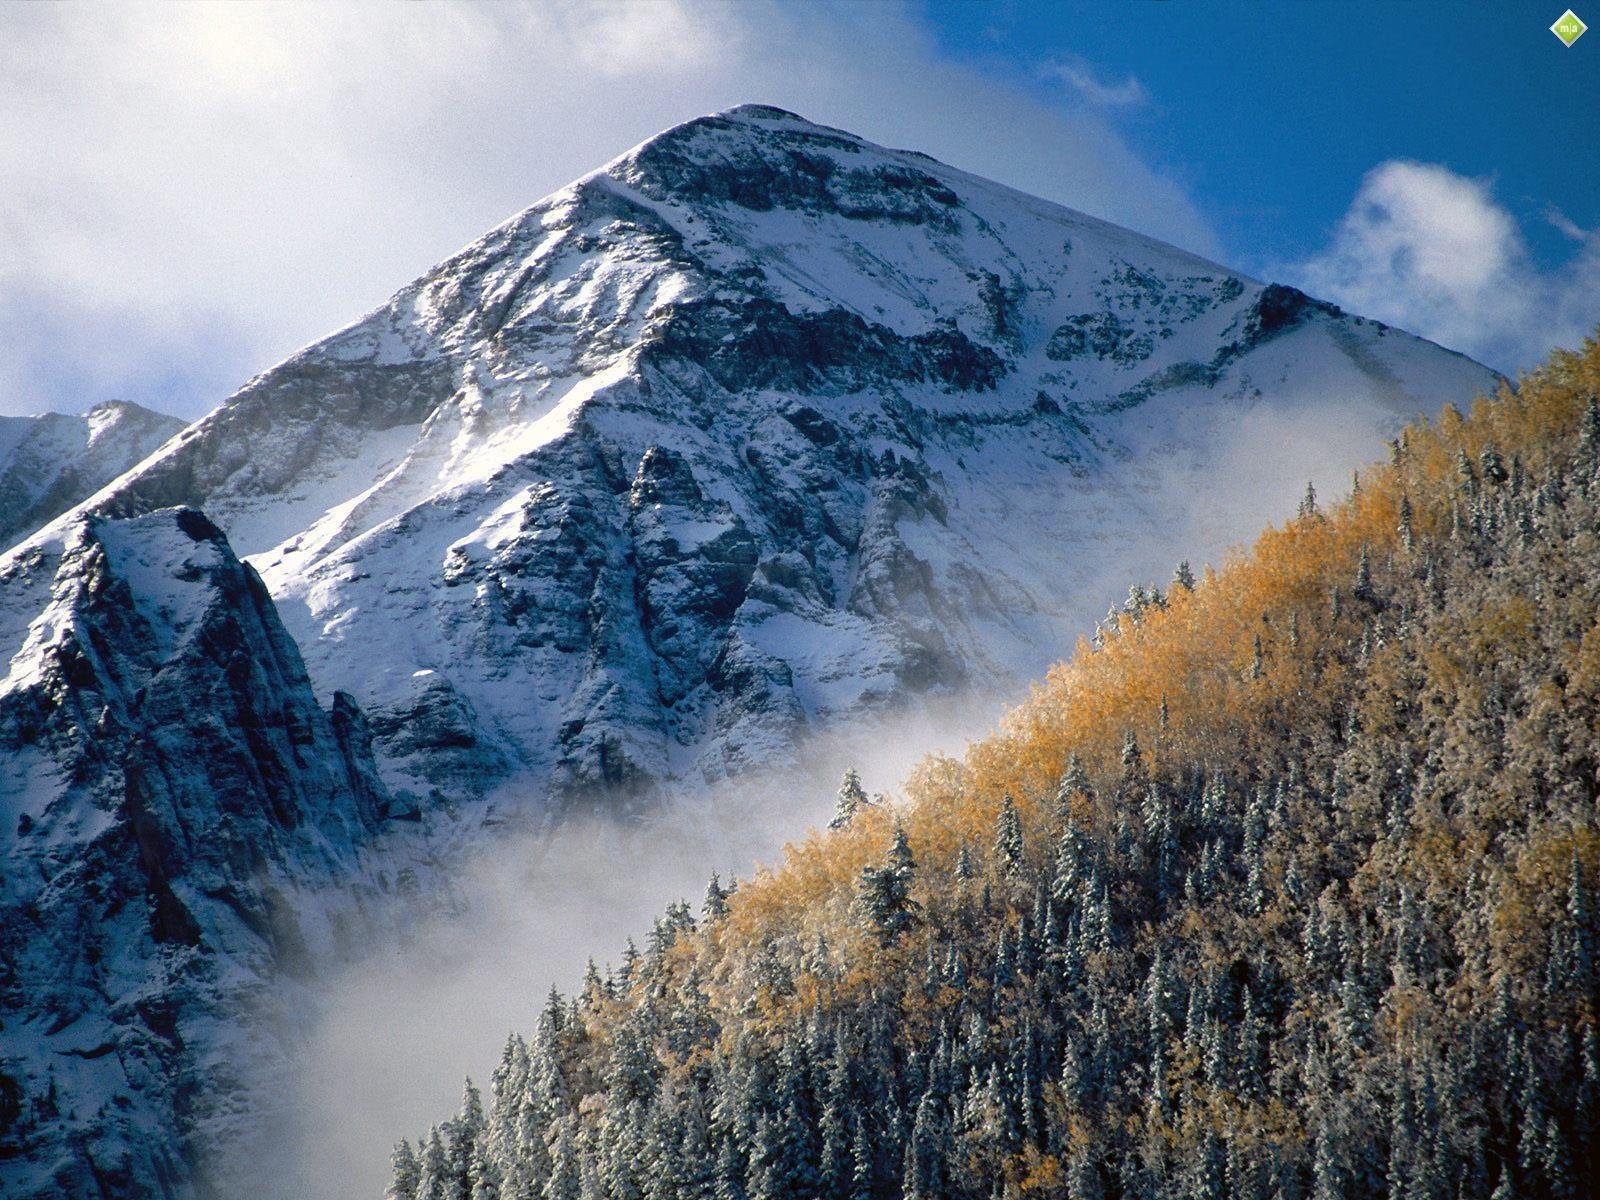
{"points": [[759, 432], [758, 429]]}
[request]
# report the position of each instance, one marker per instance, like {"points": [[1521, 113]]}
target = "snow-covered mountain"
{"points": [[50, 462], [760, 431], [757, 429], [171, 791]]}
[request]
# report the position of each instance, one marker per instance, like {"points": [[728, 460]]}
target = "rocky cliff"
{"points": [[170, 791]]}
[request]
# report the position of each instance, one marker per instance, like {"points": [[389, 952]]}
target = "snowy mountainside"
{"points": [[171, 795], [50, 462], [757, 433], [754, 432]]}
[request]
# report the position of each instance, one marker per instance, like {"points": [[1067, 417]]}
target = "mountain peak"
{"points": [[50, 462], [126, 409], [759, 157], [768, 113], [766, 119]]}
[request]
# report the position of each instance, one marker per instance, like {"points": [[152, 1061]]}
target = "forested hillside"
{"points": [[1284, 887]]}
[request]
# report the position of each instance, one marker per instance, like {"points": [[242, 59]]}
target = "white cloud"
{"points": [[1082, 79], [1566, 225], [1433, 252], [192, 192]]}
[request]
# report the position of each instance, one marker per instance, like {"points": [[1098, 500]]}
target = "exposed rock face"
{"points": [[51, 462], [168, 784], [759, 432]]}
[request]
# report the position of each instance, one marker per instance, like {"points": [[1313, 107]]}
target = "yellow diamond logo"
{"points": [[1568, 28]]}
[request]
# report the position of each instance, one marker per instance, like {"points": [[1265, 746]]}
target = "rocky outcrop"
{"points": [[168, 785], [771, 161]]}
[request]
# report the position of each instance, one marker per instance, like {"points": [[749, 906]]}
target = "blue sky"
{"points": [[1271, 111], [188, 193]]}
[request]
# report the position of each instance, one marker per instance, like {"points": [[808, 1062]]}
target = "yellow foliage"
{"points": [[1193, 652]]}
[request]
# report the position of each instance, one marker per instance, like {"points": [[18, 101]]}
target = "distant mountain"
{"points": [[758, 433], [1289, 889], [49, 463]]}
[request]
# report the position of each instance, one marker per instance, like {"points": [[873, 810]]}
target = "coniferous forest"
{"points": [[1283, 887]]}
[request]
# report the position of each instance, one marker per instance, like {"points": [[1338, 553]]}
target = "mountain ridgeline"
{"points": [[50, 463], [1285, 887], [751, 435]]}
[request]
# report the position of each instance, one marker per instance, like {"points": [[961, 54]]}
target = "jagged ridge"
{"points": [[170, 792], [52, 462]]}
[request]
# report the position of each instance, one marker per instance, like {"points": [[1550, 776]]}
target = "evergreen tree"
{"points": [[1492, 465], [462, 1136], [1408, 537], [927, 1153], [965, 868], [715, 906], [635, 1070], [405, 1171], [1308, 503], [1329, 1177], [852, 799], [565, 1180], [1083, 1178], [483, 1174], [884, 897], [730, 1183], [1008, 840], [433, 1180], [1074, 782], [1587, 462], [1363, 583], [834, 1163], [863, 1177], [1581, 919]]}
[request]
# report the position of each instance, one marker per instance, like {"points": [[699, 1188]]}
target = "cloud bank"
{"points": [[193, 192], [1435, 253]]}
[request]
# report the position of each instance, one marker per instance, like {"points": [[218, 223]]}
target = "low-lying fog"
{"points": [[385, 1051]]}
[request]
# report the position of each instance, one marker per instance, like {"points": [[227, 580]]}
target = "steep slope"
{"points": [[49, 463], [171, 797], [759, 431], [1288, 889]]}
